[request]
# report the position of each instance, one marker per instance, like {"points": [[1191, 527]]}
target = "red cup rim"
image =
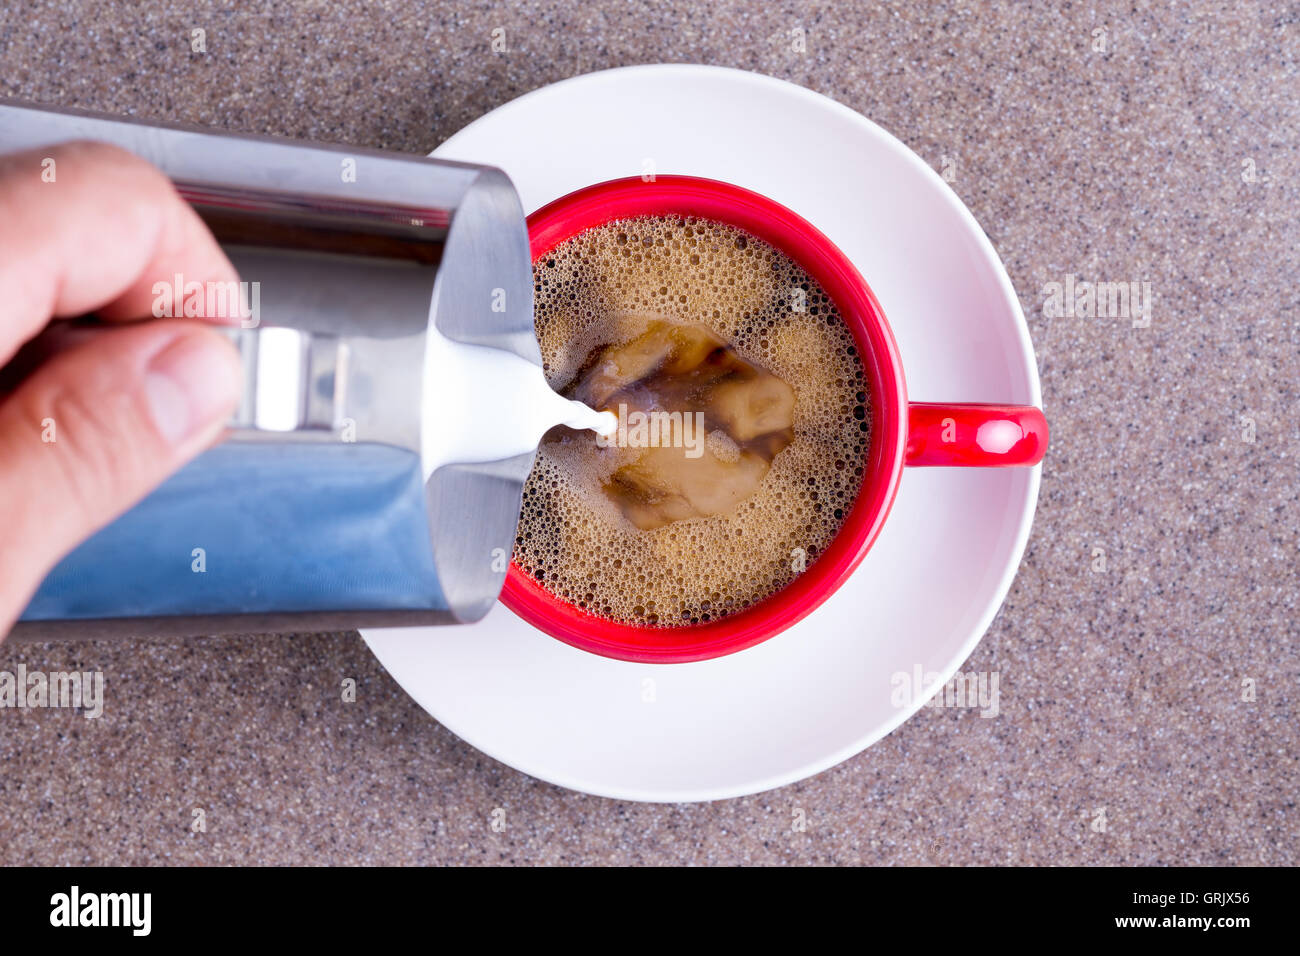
{"points": [[710, 199]]}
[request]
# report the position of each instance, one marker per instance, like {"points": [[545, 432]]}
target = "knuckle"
{"points": [[95, 152], [113, 172]]}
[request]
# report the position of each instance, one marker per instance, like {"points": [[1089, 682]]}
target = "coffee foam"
{"points": [[600, 288]]}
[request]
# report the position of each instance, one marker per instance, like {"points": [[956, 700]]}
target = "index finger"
{"points": [[88, 227]]}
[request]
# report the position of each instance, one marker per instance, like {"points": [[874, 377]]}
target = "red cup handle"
{"points": [[981, 436]]}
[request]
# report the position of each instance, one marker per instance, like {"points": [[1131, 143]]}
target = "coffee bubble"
{"points": [[603, 296]]}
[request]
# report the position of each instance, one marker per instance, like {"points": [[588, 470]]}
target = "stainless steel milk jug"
{"points": [[316, 513]]}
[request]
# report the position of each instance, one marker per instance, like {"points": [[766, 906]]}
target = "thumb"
{"points": [[95, 429]]}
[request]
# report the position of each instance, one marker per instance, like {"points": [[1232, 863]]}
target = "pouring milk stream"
{"points": [[484, 404]]}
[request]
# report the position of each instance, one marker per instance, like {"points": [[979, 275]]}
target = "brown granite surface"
{"points": [[1121, 690]]}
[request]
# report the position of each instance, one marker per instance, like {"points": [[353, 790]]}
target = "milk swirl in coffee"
{"points": [[744, 422]]}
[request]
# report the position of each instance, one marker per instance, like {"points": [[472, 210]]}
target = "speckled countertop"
{"points": [[1134, 141]]}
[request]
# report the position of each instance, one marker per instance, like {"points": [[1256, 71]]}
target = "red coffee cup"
{"points": [[902, 433]]}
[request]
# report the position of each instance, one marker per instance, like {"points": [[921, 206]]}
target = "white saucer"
{"points": [[820, 692]]}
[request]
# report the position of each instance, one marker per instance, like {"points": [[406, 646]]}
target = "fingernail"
{"points": [[190, 385]]}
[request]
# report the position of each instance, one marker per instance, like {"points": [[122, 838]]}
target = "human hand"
{"points": [[100, 423]]}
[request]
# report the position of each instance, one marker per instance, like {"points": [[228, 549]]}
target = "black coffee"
{"points": [[743, 422]]}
